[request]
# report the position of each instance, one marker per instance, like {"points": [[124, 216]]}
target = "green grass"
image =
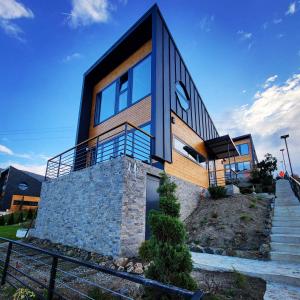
{"points": [[9, 231]]}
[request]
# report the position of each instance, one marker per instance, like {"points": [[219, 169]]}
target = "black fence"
{"points": [[46, 274], [125, 139], [295, 184]]}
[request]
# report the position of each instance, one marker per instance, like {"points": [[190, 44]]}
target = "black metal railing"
{"points": [[124, 139], [47, 275], [295, 184], [222, 178]]}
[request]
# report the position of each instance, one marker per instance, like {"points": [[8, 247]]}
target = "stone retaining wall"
{"points": [[102, 208]]}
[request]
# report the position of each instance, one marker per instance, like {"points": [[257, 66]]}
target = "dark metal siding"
{"points": [[169, 68], [15, 177]]}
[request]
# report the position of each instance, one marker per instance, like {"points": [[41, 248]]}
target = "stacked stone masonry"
{"points": [[102, 208]]}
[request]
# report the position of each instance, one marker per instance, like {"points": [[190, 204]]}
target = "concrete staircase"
{"points": [[285, 237]]}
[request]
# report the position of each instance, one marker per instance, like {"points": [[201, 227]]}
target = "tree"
{"points": [[263, 172], [170, 258]]}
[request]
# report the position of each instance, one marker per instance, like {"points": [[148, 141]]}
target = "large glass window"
{"points": [[123, 92], [238, 167], [189, 152], [141, 80], [107, 102], [131, 87], [243, 149]]}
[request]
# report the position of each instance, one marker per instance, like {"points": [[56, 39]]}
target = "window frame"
{"points": [[97, 110], [186, 94], [186, 156], [239, 146]]}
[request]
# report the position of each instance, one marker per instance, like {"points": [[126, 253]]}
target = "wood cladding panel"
{"points": [[243, 158], [127, 115], [137, 114], [181, 166]]}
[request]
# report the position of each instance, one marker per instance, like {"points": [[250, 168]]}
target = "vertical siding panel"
{"points": [[188, 88], [200, 116], [167, 100], [178, 77], [193, 107], [197, 112], [172, 75], [158, 87]]}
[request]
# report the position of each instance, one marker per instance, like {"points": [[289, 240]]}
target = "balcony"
{"points": [[123, 140]]}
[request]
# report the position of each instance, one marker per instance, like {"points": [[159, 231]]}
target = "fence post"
{"points": [[52, 278], [46, 170], [6, 264], [58, 166]]}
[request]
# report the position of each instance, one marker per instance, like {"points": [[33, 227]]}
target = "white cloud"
{"points": [[72, 56], [34, 168], [244, 35], [291, 9], [5, 150], [277, 21], [85, 12], [270, 80], [244, 91], [275, 111], [11, 10], [206, 22]]}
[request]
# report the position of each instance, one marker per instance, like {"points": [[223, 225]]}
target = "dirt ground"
{"points": [[229, 285], [240, 222]]}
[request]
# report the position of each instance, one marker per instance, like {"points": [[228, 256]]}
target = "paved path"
{"points": [[285, 237], [282, 272]]}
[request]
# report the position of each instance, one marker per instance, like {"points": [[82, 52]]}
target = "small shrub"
{"points": [[240, 279], [145, 252], [245, 217], [252, 205], [19, 218], [29, 215], [11, 219], [170, 256], [2, 221], [23, 293], [217, 192]]}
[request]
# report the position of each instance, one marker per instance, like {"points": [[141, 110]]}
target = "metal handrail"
{"points": [[101, 134], [123, 139], [295, 185], [169, 289]]}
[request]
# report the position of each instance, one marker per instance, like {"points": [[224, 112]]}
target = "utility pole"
{"points": [[283, 159], [287, 150]]}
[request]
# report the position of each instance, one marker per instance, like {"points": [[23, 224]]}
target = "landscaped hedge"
{"points": [[16, 217]]}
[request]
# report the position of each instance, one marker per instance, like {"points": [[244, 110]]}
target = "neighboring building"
{"points": [[17, 185], [245, 162], [140, 113]]}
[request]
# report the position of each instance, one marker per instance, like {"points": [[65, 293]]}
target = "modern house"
{"points": [[19, 189], [140, 113], [245, 162]]}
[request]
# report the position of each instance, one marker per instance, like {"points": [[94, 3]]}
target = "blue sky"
{"points": [[243, 55]]}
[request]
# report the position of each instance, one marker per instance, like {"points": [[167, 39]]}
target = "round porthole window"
{"points": [[182, 95], [23, 186]]}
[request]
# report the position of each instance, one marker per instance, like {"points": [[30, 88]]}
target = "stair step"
{"points": [[286, 247], [286, 223], [284, 256], [285, 238], [287, 230], [280, 219]]}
